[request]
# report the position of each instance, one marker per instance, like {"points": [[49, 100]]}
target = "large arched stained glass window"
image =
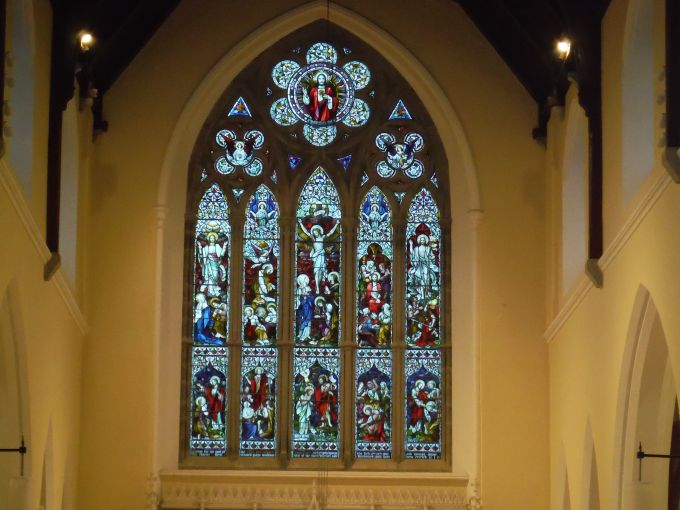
{"points": [[316, 360], [316, 233]]}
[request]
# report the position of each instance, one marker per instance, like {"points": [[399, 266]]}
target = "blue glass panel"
{"points": [[422, 424], [316, 402], [400, 112], [374, 271], [318, 239], [211, 269], [261, 251], [240, 109], [208, 400], [258, 401], [373, 383], [423, 272]]}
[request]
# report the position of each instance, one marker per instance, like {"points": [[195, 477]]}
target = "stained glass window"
{"points": [[259, 358], [209, 400], [373, 359], [422, 358], [209, 359], [295, 359], [211, 269], [316, 386], [320, 93]]}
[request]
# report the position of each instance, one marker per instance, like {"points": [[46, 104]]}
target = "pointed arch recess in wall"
{"points": [[646, 402], [170, 209]]}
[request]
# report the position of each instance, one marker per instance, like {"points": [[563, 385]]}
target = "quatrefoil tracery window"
{"points": [[316, 267]]}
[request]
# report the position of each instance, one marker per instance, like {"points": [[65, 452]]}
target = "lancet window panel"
{"points": [[316, 263]]}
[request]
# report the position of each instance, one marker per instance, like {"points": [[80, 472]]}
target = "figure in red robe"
{"points": [[320, 101], [215, 397], [258, 388], [326, 402], [374, 294], [374, 425], [416, 406]]}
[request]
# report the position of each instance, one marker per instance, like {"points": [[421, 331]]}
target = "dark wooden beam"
{"points": [[129, 37], [62, 68], [511, 40]]}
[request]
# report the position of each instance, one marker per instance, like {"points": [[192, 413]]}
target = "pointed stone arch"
{"points": [[13, 396], [171, 202], [646, 402]]}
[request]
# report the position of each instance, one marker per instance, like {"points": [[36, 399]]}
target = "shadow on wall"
{"points": [[638, 97], [21, 90]]}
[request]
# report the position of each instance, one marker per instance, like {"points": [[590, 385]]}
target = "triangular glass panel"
{"points": [[372, 93], [238, 192], [240, 109], [347, 51], [434, 180], [400, 196], [204, 175], [364, 179], [400, 112], [345, 162], [297, 50], [273, 176], [268, 92], [294, 161]]}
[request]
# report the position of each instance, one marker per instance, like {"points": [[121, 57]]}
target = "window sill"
{"points": [[302, 489]]}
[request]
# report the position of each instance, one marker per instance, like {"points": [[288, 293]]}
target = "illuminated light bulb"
{"points": [[86, 41], [563, 47]]}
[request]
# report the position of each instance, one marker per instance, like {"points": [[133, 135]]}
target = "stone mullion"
{"points": [[445, 428], [398, 343], [285, 337], [234, 335], [347, 343]]}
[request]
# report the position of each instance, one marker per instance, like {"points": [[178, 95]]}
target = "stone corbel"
{"points": [[153, 493], [671, 161], [474, 501]]}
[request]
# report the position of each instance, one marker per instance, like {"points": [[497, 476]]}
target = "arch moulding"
{"points": [[170, 210]]}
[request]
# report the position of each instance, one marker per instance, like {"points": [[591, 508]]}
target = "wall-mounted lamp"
{"points": [[86, 40], [563, 48]]}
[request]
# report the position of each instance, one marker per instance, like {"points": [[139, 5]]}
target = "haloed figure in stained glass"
{"points": [[318, 277], [423, 272], [320, 99], [316, 406], [212, 269], [257, 412], [373, 406], [423, 407], [210, 397], [318, 252]]}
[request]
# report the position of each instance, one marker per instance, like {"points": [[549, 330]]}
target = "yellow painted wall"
{"points": [[587, 347], [45, 320], [50, 342]]}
